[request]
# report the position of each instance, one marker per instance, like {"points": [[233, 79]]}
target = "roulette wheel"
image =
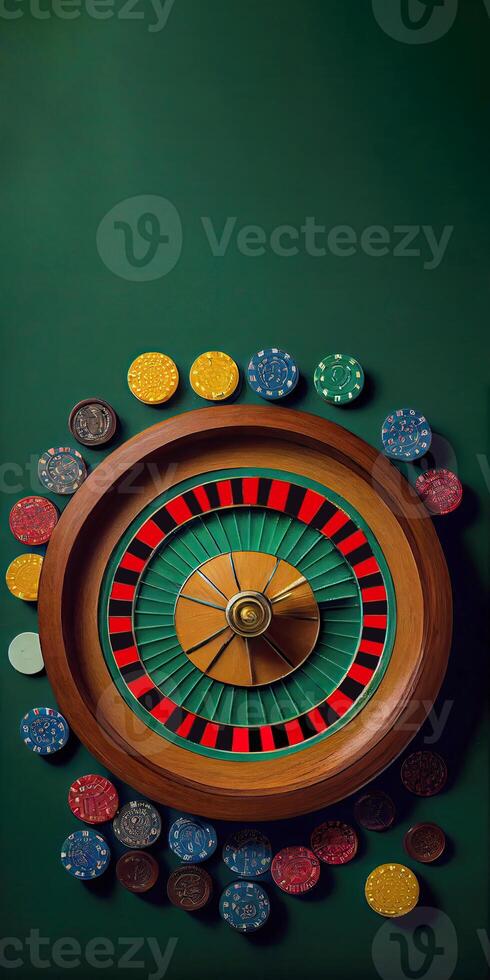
{"points": [[245, 614]]}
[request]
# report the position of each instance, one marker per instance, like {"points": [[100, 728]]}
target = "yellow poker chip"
{"points": [[23, 576], [392, 890], [153, 378], [214, 376]]}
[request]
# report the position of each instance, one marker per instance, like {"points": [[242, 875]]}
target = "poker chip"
{"points": [[425, 842], [85, 854], [61, 470], [23, 575], [190, 887], [245, 906], [440, 490], [92, 422], [214, 376], [247, 853], [424, 773], [44, 731], [334, 842], [339, 379], [33, 519], [392, 890], [93, 799], [272, 373], [192, 840], [25, 653], [153, 378], [137, 824], [137, 871], [406, 434], [295, 870], [375, 810]]}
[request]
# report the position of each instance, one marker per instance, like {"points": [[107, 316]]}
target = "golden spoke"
{"points": [[285, 593], [310, 619], [211, 583], [234, 572], [271, 576], [203, 643], [220, 651], [202, 602], [250, 661], [280, 653]]}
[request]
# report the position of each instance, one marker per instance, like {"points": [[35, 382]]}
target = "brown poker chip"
{"points": [[93, 422], [334, 842], [375, 810], [190, 887], [425, 842], [424, 773], [137, 871]]}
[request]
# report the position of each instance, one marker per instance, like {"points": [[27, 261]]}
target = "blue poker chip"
{"points": [[85, 854], [245, 906], [44, 731], [406, 434], [272, 373], [192, 840], [248, 853]]}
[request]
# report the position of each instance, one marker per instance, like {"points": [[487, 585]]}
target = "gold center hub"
{"points": [[247, 618], [249, 613]]}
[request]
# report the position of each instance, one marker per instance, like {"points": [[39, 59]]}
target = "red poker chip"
{"points": [[93, 799], [295, 870], [334, 842], [440, 490], [33, 519]]}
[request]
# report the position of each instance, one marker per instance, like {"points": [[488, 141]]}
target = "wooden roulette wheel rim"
{"points": [[238, 439]]}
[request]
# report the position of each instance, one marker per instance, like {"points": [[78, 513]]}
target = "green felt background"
{"points": [[270, 111]]}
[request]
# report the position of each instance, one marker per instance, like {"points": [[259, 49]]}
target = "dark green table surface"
{"points": [[267, 112]]}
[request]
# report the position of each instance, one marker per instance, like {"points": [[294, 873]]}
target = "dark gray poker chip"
{"points": [[93, 422], [61, 470], [138, 824]]}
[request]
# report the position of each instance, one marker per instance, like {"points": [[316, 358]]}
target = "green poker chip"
{"points": [[339, 379]]}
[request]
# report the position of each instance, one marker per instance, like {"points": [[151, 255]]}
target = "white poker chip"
{"points": [[25, 653]]}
